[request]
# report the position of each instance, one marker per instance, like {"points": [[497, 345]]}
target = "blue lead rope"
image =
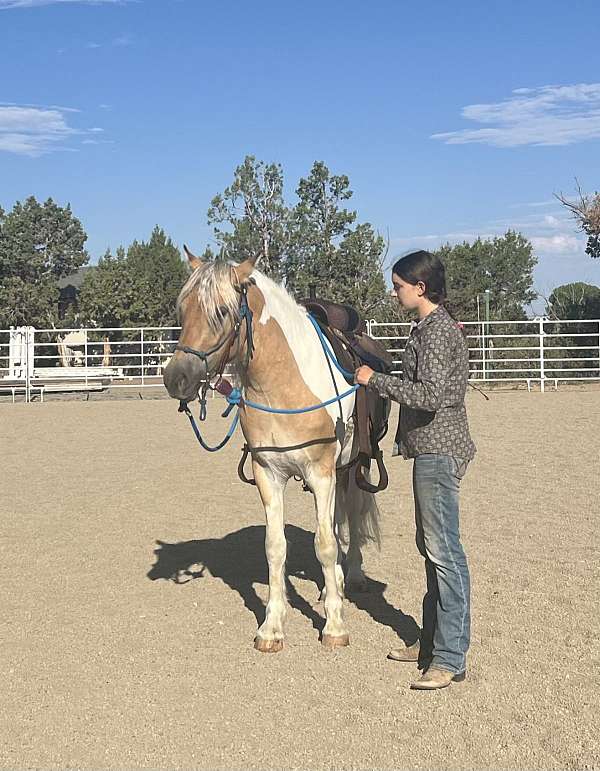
{"points": [[221, 444], [235, 398], [328, 352]]}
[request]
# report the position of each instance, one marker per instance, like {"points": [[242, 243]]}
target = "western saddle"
{"points": [[346, 332]]}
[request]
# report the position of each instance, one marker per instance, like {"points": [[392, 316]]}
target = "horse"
{"points": [[281, 362]]}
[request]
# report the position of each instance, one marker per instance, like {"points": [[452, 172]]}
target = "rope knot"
{"points": [[235, 397]]}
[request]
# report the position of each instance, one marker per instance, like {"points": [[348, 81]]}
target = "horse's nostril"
{"points": [[180, 381]]}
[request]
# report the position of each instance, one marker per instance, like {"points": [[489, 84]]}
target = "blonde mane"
{"points": [[215, 290]]}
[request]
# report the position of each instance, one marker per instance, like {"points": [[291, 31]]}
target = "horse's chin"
{"points": [[182, 395], [182, 379]]}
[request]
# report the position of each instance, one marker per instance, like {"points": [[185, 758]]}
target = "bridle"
{"points": [[245, 314]]}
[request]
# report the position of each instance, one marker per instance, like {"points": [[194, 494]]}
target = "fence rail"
{"points": [[535, 352], [547, 351]]}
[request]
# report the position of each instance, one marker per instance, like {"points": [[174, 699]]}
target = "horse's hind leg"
{"points": [[326, 548], [269, 638]]}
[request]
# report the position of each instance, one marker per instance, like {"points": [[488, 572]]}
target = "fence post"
{"points": [[598, 348], [542, 372], [85, 356], [142, 352], [483, 352], [27, 365]]}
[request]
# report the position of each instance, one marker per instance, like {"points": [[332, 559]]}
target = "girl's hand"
{"points": [[363, 375]]}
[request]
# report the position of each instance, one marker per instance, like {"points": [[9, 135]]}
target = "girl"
{"points": [[433, 430]]}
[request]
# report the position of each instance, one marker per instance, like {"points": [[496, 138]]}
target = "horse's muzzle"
{"points": [[183, 377]]}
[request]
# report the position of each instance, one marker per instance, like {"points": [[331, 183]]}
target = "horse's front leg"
{"points": [[269, 638], [326, 548]]}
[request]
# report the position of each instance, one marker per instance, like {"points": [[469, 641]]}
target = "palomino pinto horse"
{"points": [[288, 369]]}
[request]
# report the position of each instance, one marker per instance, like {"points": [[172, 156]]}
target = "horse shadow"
{"points": [[238, 559]]}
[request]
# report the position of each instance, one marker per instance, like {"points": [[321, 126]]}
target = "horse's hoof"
{"points": [[268, 646], [330, 641]]}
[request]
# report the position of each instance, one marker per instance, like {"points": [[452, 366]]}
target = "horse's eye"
{"points": [[223, 310]]}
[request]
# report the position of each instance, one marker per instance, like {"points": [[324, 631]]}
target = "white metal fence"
{"points": [[35, 362], [41, 361], [535, 352]]}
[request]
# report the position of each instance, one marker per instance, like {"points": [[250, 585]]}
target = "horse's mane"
{"points": [[214, 285]]}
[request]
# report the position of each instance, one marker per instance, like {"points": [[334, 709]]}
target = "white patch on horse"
{"points": [[305, 346]]}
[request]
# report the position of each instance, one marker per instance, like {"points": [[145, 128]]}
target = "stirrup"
{"points": [[365, 462]]}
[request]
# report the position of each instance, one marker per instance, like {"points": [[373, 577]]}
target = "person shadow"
{"points": [[238, 559]]}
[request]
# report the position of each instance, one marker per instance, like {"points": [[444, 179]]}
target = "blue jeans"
{"points": [[446, 606]]}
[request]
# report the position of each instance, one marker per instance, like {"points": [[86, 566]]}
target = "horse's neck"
{"points": [[279, 331]]}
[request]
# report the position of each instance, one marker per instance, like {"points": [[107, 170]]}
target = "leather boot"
{"points": [[434, 679], [408, 653]]}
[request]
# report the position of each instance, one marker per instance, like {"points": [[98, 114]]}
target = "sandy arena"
{"points": [[105, 668]]}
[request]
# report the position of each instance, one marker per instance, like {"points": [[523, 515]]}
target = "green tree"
{"points": [[575, 302], [134, 288], [327, 249], [107, 293], [586, 211], [254, 210], [504, 265], [39, 243], [315, 241]]}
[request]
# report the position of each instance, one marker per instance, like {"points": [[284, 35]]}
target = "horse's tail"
{"points": [[356, 511]]}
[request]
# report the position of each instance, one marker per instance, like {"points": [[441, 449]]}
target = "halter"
{"points": [[245, 313]]}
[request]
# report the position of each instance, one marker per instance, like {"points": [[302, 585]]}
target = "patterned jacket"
{"points": [[431, 391]]}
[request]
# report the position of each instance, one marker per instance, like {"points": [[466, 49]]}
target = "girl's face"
{"points": [[410, 296]]}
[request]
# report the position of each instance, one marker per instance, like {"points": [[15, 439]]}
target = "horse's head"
{"points": [[208, 309]]}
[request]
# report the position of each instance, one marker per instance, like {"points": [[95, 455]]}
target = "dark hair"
{"points": [[426, 267]]}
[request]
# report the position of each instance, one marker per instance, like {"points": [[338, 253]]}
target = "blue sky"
{"points": [[452, 120]]}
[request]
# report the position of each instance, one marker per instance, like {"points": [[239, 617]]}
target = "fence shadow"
{"points": [[238, 559]]}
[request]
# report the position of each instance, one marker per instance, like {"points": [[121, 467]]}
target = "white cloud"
{"points": [[41, 106], [551, 236], [33, 130], [561, 243], [6, 5], [550, 115], [534, 204]]}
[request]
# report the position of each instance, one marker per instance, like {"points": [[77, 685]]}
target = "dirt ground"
{"points": [[107, 664]]}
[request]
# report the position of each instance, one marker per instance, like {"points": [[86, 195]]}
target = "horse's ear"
{"points": [[244, 270], [194, 261]]}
